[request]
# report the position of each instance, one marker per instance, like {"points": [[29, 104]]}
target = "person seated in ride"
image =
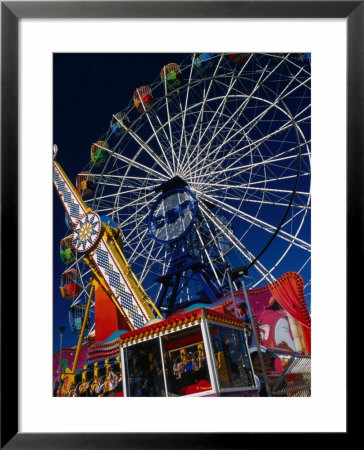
{"points": [[71, 390], [100, 387], [190, 364], [113, 378], [178, 367], [76, 392], [137, 381], [83, 387], [119, 387], [91, 389], [157, 377], [94, 385], [108, 384]]}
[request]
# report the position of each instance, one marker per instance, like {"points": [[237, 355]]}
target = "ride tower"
{"points": [[175, 221]]}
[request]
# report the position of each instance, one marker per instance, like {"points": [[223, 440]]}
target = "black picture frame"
{"points": [[11, 12]]}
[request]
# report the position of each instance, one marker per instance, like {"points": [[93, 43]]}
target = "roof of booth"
{"points": [[178, 322]]}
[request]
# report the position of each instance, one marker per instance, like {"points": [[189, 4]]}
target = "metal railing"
{"points": [[295, 380]]}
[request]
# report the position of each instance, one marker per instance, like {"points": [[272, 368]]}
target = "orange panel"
{"points": [[107, 318]]}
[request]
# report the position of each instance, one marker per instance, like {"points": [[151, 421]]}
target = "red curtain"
{"points": [[288, 291]]}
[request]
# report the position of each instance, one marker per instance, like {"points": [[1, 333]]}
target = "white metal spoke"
{"points": [[257, 222], [244, 251]]}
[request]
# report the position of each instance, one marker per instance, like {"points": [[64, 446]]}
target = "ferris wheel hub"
{"points": [[172, 214]]}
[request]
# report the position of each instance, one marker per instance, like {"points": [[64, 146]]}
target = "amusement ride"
{"points": [[187, 253]]}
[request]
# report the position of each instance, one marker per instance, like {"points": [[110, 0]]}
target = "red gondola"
{"points": [[143, 98], [85, 183], [70, 284], [239, 58]]}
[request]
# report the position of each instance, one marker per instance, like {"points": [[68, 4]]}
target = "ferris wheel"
{"points": [[206, 169]]}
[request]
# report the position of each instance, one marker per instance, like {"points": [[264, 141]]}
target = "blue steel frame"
{"points": [[181, 260]]}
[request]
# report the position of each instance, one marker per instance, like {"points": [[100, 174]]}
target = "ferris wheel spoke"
{"points": [[133, 221], [137, 203], [200, 114], [91, 330], [289, 124], [163, 165], [256, 222], [174, 158], [148, 259], [241, 108], [218, 186], [203, 246], [280, 97], [184, 112], [236, 171], [253, 123], [156, 136], [130, 236], [134, 189], [157, 181], [223, 101], [216, 243], [237, 244], [137, 165], [139, 243], [219, 113]]}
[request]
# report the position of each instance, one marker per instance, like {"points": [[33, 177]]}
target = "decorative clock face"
{"points": [[86, 232], [172, 215]]}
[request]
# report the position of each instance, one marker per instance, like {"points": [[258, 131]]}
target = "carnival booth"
{"points": [[199, 352]]}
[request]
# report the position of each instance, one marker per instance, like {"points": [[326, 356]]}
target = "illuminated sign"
{"points": [[172, 215]]}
